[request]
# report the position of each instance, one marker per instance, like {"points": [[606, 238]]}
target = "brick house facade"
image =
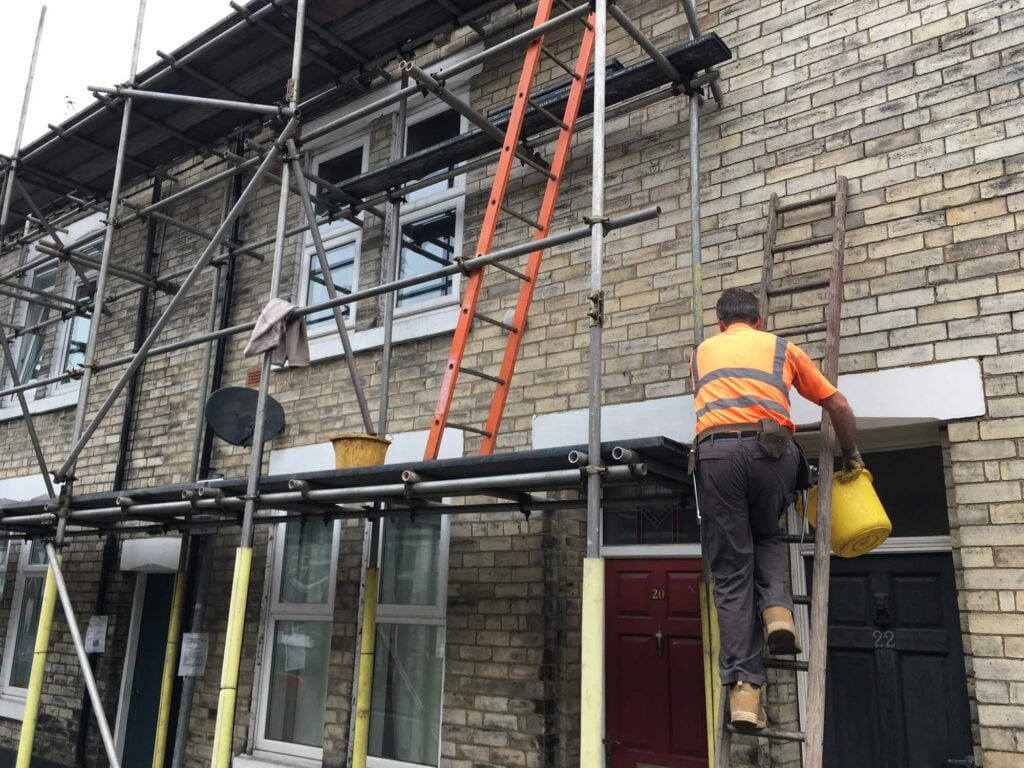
{"points": [[917, 103]]}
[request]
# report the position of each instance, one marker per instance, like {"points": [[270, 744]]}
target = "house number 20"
{"points": [[657, 593]]}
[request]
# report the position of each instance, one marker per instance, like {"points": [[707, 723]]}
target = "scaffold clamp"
{"points": [[596, 310]]}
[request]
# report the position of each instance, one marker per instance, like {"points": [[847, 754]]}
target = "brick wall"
{"points": [[918, 104]]}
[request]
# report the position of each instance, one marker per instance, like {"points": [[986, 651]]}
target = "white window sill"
{"points": [[416, 325], [12, 708], [67, 398], [269, 760]]}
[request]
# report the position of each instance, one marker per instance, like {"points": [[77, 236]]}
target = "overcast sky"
{"points": [[85, 42]]}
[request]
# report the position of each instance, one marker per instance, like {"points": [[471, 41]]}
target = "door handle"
{"points": [[883, 613], [659, 639]]}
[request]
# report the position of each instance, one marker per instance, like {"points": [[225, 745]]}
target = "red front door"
{"points": [[654, 664]]}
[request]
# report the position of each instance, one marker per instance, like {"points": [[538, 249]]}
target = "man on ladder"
{"points": [[747, 468]]}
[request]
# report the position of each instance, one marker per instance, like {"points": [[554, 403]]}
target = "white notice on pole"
{"points": [[96, 635], [194, 648]]}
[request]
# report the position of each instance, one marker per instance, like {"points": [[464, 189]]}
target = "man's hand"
{"points": [[853, 465]]}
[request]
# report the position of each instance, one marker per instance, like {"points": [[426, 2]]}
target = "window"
{"points": [[431, 217], [408, 671], [21, 630], [77, 332], [4, 551], [342, 240], [31, 346], [298, 639]]}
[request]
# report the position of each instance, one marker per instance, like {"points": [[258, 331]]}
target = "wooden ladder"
{"points": [[540, 224], [832, 280]]}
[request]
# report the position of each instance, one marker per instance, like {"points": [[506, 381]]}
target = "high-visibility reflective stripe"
{"points": [[745, 401], [779, 361], [745, 373]]}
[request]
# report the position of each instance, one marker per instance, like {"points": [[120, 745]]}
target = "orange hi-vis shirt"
{"points": [[743, 375]]}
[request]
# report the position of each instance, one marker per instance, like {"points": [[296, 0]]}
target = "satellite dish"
{"points": [[231, 414]]}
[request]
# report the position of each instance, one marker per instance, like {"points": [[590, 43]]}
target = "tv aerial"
{"points": [[231, 414]]}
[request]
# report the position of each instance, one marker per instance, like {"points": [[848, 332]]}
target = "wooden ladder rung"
{"points": [[801, 599], [768, 733], [798, 244], [495, 321], [802, 330], [787, 207], [796, 538], [782, 288], [792, 664]]}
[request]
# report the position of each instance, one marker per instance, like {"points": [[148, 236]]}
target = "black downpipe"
{"points": [[226, 300], [120, 472]]}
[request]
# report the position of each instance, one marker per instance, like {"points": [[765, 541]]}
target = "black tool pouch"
{"points": [[773, 444], [804, 475]]}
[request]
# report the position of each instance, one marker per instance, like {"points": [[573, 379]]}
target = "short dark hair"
{"points": [[737, 305]]}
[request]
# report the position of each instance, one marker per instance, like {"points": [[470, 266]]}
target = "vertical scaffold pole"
{"points": [[12, 172], [163, 719], [108, 243], [222, 740], [371, 581], [592, 751]]}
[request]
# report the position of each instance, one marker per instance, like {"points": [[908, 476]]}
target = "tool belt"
{"points": [[774, 439]]}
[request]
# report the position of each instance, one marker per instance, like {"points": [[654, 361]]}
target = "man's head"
{"points": [[736, 305]]}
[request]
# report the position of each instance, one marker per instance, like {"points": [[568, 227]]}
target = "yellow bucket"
{"points": [[859, 523], [358, 450]]}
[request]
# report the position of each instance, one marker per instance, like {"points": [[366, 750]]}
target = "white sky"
{"points": [[85, 42]]}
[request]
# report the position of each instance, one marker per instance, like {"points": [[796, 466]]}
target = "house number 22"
{"points": [[886, 639], [657, 593]]}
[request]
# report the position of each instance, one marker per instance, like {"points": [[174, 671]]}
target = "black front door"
{"points": [[897, 690], [144, 694]]}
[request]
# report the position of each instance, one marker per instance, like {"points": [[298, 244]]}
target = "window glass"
{"points": [[341, 259], [298, 680], [78, 332], [405, 719], [30, 351], [336, 170], [306, 562], [4, 549], [657, 517], [28, 618], [410, 563], [427, 244], [428, 133]]}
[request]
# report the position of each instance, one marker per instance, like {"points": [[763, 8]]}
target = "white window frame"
{"points": [[419, 615], [21, 319], [452, 197], [63, 394], [277, 611], [343, 231], [421, 319], [63, 338], [12, 698]]}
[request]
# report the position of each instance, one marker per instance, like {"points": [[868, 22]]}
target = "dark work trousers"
{"points": [[742, 494]]}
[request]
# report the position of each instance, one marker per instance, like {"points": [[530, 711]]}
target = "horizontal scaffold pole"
{"points": [[202, 101], [467, 265]]}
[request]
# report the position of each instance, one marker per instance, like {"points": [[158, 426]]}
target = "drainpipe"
{"points": [[120, 472]]}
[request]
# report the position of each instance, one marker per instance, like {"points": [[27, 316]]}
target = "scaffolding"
{"points": [[193, 104]]}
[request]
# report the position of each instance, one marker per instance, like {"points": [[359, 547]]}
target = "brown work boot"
{"points": [[745, 707], [778, 623]]}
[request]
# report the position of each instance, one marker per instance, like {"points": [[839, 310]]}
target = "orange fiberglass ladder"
{"points": [[495, 207]]}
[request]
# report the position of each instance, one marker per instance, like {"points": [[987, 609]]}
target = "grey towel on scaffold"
{"points": [[276, 329]]}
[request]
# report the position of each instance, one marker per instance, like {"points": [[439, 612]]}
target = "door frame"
{"points": [[128, 672], [798, 557]]}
